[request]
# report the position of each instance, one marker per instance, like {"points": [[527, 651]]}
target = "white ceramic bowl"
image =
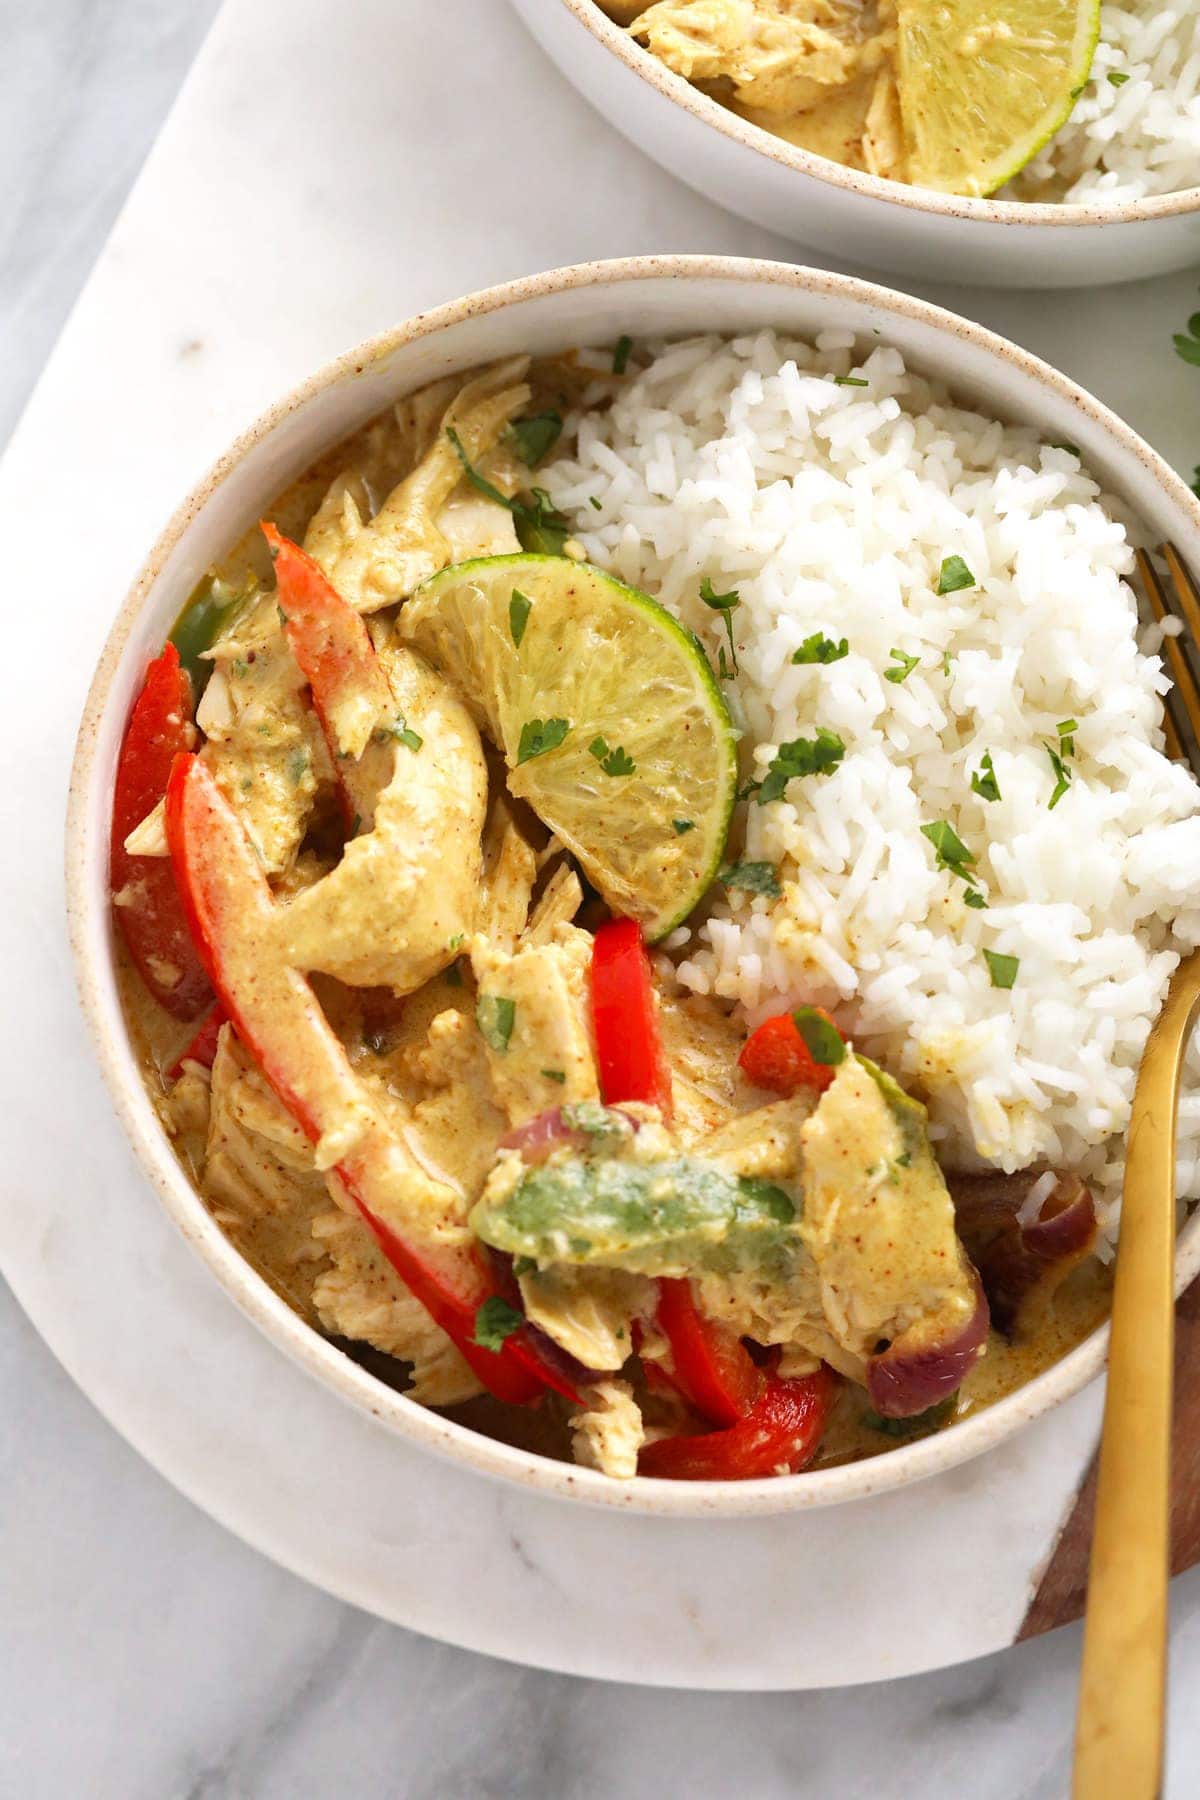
{"points": [[592, 304], [854, 217]]}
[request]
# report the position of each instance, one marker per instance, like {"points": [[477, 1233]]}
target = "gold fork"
{"points": [[1122, 1696]]}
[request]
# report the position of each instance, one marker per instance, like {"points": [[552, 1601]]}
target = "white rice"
{"points": [[1127, 139], [831, 508]]}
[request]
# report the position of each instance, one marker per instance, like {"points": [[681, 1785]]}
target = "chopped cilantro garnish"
{"points": [[519, 609], [240, 667], [402, 732], [818, 755], [554, 1075], [613, 762], [820, 649], [283, 618], [945, 662], [1071, 449], [539, 527], [1187, 344], [495, 1015], [954, 575], [540, 735], [1002, 969], [535, 436], [1062, 776], [753, 878], [523, 1265], [726, 605], [983, 781], [297, 766], [1117, 78], [495, 1321], [456, 942], [1066, 729], [680, 826], [902, 667], [621, 355], [822, 1040], [850, 381], [598, 505], [952, 855]]}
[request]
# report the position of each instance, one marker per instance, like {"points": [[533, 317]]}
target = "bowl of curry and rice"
{"points": [[622, 857], [1012, 142]]}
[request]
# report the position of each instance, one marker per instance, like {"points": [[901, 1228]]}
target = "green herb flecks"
{"points": [[1071, 449], [595, 504], [917, 1425], [902, 666], [819, 755], [983, 781], [540, 528], [953, 856], [536, 437], [495, 1321], [850, 381], [681, 826], [621, 355], [954, 575], [495, 1015], [1117, 78], [613, 762], [822, 1040], [726, 605], [297, 766], [752, 878], [523, 1265], [1062, 776], [1002, 969], [1187, 343], [558, 1075], [540, 735], [1066, 729], [820, 649], [402, 732], [519, 609]]}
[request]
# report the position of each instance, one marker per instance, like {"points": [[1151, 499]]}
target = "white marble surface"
{"points": [[146, 1652]]}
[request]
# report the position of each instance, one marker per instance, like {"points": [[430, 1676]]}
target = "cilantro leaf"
{"points": [[402, 732], [949, 849], [1117, 78], [818, 755], [954, 575], [902, 668], [820, 649], [983, 781], [679, 826], [850, 381], [495, 1015], [558, 1075], [539, 527], [1066, 729], [536, 436], [621, 355], [726, 605], [540, 735], [613, 762], [519, 609], [752, 878], [495, 1321], [1002, 969], [1062, 774], [822, 1039]]}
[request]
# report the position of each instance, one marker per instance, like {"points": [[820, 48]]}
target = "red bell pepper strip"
{"points": [[231, 912], [780, 1432], [712, 1368], [203, 1047], [146, 903], [629, 1050], [333, 648], [776, 1057]]}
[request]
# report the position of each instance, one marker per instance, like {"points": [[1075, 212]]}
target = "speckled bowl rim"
{"points": [[834, 174], [89, 926]]}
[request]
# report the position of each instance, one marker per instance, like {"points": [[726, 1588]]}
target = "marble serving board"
{"points": [[325, 173]]}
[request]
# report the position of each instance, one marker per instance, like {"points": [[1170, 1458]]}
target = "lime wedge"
{"points": [[984, 83], [611, 722]]}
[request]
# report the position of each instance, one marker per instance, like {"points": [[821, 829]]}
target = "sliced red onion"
{"points": [[539, 1137], [1024, 1235], [927, 1363]]}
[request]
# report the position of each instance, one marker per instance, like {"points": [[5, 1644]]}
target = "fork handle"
{"points": [[1119, 1731]]}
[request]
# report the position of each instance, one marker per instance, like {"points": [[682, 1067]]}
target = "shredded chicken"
{"points": [[547, 1056], [609, 1432]]}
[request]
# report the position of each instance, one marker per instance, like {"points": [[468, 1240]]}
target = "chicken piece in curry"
{"points": [[428, 1076]]}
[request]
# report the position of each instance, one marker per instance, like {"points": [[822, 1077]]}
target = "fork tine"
{"points": [[1184, 695]]}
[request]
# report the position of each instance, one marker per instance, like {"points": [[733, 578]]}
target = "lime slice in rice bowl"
{"points": [[610, 719], [984, 84]]}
